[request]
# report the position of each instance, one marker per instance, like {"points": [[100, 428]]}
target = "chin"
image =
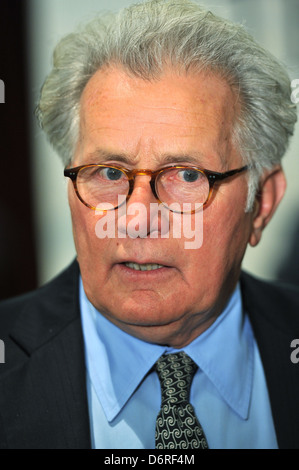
{"points": [[142, 313]]}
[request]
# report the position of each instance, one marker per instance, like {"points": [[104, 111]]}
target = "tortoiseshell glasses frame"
{"points": [[211, 176]]}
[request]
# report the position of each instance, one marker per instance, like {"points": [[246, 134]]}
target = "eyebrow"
{"points": [[194, 160], [100, 155]]}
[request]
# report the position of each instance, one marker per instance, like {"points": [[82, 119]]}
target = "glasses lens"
{"points": [[186, 187], [102, 186]]}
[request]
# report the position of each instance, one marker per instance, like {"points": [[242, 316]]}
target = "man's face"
{"points": [[140, 124]]}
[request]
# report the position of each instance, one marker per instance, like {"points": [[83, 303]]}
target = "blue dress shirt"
{"points": [[229, 391]]}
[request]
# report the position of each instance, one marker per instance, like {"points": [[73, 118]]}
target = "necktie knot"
{"points": [[175, 372]]}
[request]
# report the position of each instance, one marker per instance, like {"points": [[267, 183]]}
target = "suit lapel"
{"points": [[275, 324], [45, 396]]}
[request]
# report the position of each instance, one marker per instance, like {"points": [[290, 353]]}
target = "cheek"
{"points": [[84, 222], [218, 261], [225, 236], [80, 226]]}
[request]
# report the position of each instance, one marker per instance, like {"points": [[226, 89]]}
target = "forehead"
{"points": [[182, 112]]}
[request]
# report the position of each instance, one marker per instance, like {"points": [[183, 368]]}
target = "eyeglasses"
{"points": [[102, 186]]}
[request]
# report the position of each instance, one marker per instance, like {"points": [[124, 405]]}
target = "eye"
{"points": [[111, 174], [189, 175]]}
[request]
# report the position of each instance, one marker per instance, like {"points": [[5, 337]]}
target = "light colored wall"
{"points": [[272, 22]]}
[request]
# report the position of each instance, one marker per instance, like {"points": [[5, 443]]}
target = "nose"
{"points": [[140, 219]]}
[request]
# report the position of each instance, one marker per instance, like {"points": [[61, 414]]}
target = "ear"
{"points": [[272, 189]]}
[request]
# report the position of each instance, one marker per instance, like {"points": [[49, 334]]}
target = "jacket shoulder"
{"points": [[276, 301], [40, 299]]}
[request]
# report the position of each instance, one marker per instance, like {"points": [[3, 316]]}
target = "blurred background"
{"points": [[35, 227]]}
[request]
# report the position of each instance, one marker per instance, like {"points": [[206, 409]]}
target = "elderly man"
{"points": [[145, 341]]}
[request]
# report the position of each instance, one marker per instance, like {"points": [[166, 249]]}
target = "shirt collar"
{"points": [[117, 362], [224, 352]]}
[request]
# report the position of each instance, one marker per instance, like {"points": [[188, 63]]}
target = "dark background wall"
{"points": [[17, 241]]}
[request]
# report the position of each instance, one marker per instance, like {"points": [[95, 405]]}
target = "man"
{"points": [[162, 104]]}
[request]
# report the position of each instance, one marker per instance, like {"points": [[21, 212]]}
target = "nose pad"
{"points": [[139, 218]]}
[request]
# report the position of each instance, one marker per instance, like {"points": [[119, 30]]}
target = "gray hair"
{"points": [[146, 37]]}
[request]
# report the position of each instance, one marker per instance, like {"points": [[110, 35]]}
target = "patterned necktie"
{"points": [[177, 426]]}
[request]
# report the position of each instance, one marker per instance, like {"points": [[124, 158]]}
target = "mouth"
{"points": [[143, 267]]}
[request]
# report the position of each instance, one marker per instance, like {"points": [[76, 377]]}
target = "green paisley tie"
{"points": [[177, 426]]}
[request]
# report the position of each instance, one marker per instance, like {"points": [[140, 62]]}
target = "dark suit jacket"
{"points": [[43, 401]]}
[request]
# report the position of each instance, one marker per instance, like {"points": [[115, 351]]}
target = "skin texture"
{"points": [[140, 124]]}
